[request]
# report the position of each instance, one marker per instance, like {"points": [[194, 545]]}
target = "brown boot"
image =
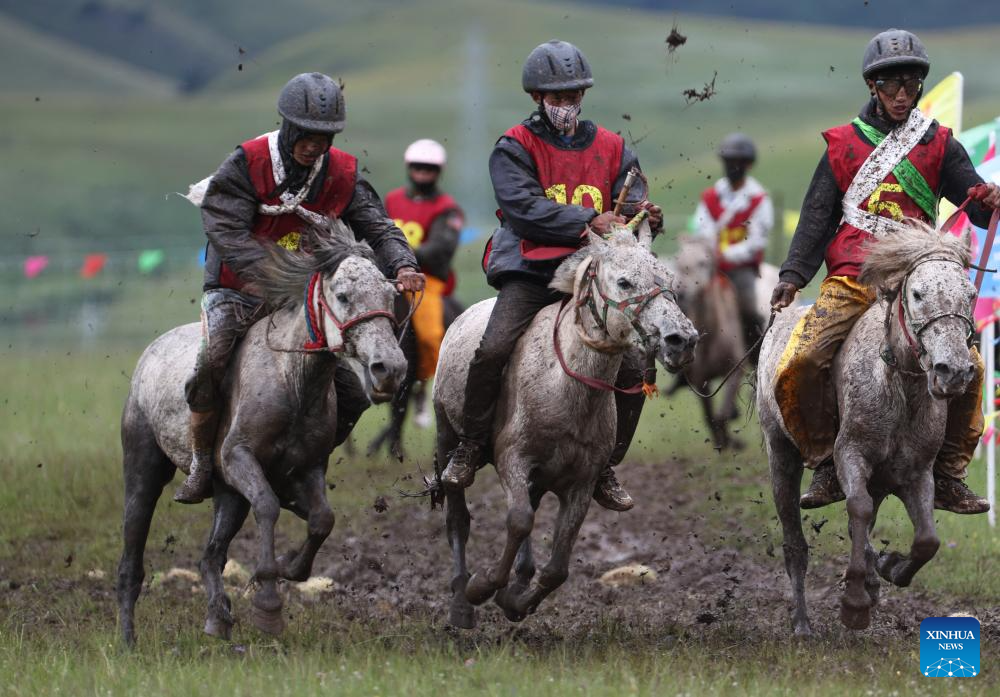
{"points": [[198, 483], [953, 495], [824, 488], [610, 494], [463, 462]]}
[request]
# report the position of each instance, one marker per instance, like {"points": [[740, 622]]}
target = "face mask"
{"points": [[424, 188], [563, 118], [735, 171]]}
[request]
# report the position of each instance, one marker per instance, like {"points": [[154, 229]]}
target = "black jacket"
{"points": [[528, 214], [822, 211], [230, 208]]}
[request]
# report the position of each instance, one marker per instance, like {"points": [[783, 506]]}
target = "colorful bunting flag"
{"points": [[93, 264], [35, 265], [150, 259], [944, 102]]}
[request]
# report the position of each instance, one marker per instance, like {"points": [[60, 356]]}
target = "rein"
{"points": [[977, 193], [630, 307], [740, 362]]}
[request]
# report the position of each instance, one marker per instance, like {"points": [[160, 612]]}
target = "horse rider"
{"points": [[847, 203], [432, 222], [735, 215], [260, 196], [553, 176]]}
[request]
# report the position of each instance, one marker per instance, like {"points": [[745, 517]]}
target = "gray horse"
{"points": [[278, 424], [553, 432], [905, 357], [710, 302]]}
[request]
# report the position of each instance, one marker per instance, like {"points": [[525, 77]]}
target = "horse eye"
{"points": [[624, 284], [917, 296], [341, 298]]}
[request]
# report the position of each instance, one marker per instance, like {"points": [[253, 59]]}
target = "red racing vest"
{"points": [[847, 150], [415, 217], [580, 177], [736, 230], [336, 192]]}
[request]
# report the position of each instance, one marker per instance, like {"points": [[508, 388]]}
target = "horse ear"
{"points": [[966, 238], [594, 239], [568, 274], [646, 235]]}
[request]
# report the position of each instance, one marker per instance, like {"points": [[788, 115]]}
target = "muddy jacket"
{"points": [[432, 225], [941, 159], [539, 214], [230, 218]]}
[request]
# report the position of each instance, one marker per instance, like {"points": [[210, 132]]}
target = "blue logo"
{"points": [[949, 647]]}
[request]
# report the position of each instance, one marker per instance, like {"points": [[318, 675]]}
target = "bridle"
{"points": [[631, 307], [918, 325]]}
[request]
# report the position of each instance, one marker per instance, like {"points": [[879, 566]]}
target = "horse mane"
{"points": [[891, 257], [282, 275], [565, 275]]}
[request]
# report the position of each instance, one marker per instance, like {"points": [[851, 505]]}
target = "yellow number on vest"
{"points": [[290, 241], [412, 230], [877, 206], [557, 193]]}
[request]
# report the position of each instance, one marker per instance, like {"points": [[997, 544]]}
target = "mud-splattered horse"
{"points": [[278, 424]]}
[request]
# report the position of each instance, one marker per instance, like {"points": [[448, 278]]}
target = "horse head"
{"points": [[624, 297], [924, 276], [695, 265]]}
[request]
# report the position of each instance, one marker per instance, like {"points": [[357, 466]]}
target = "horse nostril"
{"points": [[943, 370], [674, 341], [378, 370]]}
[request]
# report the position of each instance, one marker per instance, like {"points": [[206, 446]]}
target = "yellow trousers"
{"points": [[428, 326], [804, 386]]}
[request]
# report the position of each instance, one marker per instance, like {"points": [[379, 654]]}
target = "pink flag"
{"points": [[991, 151], [35, 265], [92, 265]]}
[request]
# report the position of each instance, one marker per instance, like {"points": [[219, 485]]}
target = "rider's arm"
{"points": [[957, 175], [818, 223], [522, 201], [367, 217], [758, 227], [705, 226], [436, 252], [227, 214]]}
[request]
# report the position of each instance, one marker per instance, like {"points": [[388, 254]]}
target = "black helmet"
{"points": [[894, 48], [737, 146], [555, 66], [314, 103]]}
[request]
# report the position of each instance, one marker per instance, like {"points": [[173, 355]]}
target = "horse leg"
{"points": [[244, 473], [872, 582], [919, 501], [146, 471], [520, 521], [715, 425], [573, 506], [310, 493], [524, 570], [854, 472], [230, 511], [786, 480], [729, 411], [461, 614]]}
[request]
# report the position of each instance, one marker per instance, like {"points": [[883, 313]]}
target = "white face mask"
{"points": [[563, 118]]}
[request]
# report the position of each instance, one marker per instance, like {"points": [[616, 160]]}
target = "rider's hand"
{"points": [[783, 295], [603, 222], [408, 278], [991, 197], [655, 215]]}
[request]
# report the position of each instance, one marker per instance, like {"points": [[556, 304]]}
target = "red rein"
{"points": [[978, 193]]}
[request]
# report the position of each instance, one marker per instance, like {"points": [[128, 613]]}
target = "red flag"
{"points": [[93, 264]]}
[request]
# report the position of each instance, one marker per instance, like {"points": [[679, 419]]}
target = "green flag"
{"points": [[149, 260]]}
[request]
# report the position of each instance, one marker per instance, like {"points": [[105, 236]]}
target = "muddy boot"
{"points": [[463, 462], [610, 494], [824, 488], [953, 495], [198, 484]]}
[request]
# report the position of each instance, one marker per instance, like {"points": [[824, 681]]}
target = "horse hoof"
{"points": [[267, 621], [479, 589], [855, 617], [802, 630], [462, 616], [218, 627]]}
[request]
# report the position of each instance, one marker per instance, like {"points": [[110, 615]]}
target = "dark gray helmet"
{"points": [[555, 66], [895, 48], [737, 146], [314, 103]]}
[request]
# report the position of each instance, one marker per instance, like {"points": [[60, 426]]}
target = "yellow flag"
{"points": [[944, 103]]}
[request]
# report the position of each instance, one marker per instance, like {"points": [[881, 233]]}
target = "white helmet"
{"points": [[425, 152]]}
